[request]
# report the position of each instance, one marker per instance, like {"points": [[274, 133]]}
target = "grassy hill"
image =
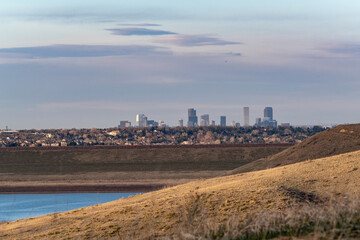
{"points": [[119, 169], [314, 198], [338, 140]]}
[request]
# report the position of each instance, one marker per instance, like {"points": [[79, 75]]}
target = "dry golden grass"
{"points": [[338, 140], [183, 211]]}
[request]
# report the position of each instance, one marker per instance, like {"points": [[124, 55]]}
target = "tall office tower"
{"points": [[223, 121], [246, 116], [193, 120], [204, 120], [181, 122], [145, 122], [141, 120], [212, 123], [268, 114], [268, 120]]}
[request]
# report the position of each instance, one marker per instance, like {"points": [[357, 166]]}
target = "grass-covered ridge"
{"points": [[338, 140], [259, 204]]}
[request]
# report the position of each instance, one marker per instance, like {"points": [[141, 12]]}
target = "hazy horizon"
{"points": [[83, 64]]}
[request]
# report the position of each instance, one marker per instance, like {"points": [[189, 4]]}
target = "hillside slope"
{"points": [[173, 211], [338, 140], [132, 169]]}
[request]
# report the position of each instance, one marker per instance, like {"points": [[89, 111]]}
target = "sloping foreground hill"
{"points": [[210, 208], [338, 140]]}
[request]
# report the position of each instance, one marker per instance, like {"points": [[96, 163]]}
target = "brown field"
{"points": [[221, 208], [16, 149], [119, 169], [338, 140]]}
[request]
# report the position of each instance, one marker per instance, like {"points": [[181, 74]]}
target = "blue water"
{"points": [[18, 206]]}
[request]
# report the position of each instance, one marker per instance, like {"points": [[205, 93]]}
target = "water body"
{"points": [[19, 206]]}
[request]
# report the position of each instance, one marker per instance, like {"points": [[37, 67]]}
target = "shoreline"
{"points": [[84, 188]]}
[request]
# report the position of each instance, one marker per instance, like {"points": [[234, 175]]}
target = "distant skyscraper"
{"points": [[268, 120], [192, 120], [145, 121], [204, 120], [246, 116], [223, 121], [268, 114], [181, 123], [212, 123], [141, 120]]}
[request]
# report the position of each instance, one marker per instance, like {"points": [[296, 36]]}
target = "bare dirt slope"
{"points": [[131, 169], [338, 140], [173, 211]]}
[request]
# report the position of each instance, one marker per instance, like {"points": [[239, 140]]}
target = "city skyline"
{"points": [[205, 120], [143, 120], [83, 64]]}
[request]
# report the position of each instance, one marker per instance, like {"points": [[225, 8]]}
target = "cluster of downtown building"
{"points": [[142, 121], [266, 121]]}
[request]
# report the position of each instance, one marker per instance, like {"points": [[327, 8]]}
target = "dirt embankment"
{"points": [[120, 169], [16, 149]]}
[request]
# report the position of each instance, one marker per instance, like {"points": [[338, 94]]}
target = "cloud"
{"points": [[235, 54], [138, 31], [194, 40], [76, 51], [339, 51], [78, 11], [140, 24], [349, 49]]}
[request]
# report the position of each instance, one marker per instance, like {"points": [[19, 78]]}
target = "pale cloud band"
{"points": [[194, 40], [138, 32], [345, 49], [140, 24], [76, 51], [173, 38]]}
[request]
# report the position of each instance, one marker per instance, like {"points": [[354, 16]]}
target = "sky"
{"points": [[92, 63]]}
